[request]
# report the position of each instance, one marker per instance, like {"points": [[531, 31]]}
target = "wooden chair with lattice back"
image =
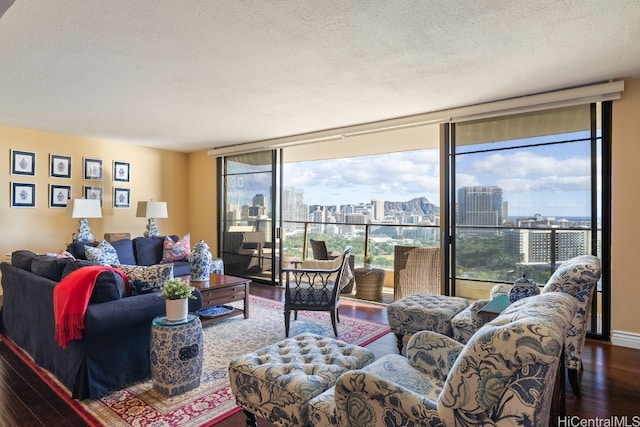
{"points": [[315, 286]]}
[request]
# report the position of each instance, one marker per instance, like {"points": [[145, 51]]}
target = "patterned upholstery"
{"points": [[577, 277], [423, 312], [468, 321], [504, 375], [277, 381]]}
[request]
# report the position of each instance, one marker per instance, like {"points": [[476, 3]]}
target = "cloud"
{"points": [[528, 164], [394, 176]]}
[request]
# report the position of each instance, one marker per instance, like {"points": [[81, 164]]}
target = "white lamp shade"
{"points": [[152, 210], [86, 208]]}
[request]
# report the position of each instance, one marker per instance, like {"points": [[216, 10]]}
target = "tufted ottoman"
{"points": [[423, 312], [276, 382]]}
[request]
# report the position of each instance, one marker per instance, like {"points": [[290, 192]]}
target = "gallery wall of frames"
{"points": [[23, 189]]}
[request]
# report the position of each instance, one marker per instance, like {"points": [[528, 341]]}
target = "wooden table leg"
{"points": [[558, 398]]}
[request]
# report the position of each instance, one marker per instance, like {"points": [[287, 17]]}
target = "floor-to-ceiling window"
{"points": [[249, 244], [371, 191], [527, 194]]}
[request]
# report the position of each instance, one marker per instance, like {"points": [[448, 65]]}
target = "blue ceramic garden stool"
{"points": [[176, 354]]}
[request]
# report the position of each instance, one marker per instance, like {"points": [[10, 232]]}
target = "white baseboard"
{"points": [[625, 339]]}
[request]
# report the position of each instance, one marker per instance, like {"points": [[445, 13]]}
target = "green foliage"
{"points": [[177, 289]]}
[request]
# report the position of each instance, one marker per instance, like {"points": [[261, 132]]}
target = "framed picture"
{"points": [[121, 197], [23, 195], [23, 163], [93, 192], [121, 171], [59, 195], [59, 166], [92, 169]]}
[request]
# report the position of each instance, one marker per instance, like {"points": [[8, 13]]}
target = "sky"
{"points": [[550, 180]]}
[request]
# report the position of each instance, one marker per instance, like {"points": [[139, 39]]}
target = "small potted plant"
{"points": [[176, 292], [368, 260]]}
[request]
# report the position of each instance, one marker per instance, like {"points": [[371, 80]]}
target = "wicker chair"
{"points": [[319, 249], [416, 270]]}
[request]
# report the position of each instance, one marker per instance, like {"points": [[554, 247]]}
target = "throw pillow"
{"points": [[22, 259], [109, 285], [176, 251], [146, 279], [103, 254], [49, 267]]}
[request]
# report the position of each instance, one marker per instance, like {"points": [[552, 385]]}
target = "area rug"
{"points": [[139, 405]]}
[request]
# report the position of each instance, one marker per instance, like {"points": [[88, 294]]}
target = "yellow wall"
{"points": [[203, 199], [625, 235], [155, 174]]}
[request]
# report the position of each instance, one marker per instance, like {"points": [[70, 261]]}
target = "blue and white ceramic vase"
{"points": [[523, 288], [200, 262]]}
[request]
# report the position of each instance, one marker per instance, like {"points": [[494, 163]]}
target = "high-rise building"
{"points": [[293, 206], [480, 205], [534, 246], [260, 200], [377, 208]]}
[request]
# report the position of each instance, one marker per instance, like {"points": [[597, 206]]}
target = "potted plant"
{"points": [[368, 260], [176, 292]]}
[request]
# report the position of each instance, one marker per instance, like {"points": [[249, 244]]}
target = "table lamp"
{"points": [[152, 210], [83, 209]]}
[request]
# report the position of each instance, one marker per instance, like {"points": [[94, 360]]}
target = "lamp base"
{"points": [[152, 229], [84, 232]]}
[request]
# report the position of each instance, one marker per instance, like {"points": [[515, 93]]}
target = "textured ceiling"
{"points": [[191, 74]]}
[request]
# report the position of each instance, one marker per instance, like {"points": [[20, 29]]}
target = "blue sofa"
{"points": [[138, 251], [114, 350]]}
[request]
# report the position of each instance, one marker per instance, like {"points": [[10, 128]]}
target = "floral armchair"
{"points": [[577, 277], [504, 375]]}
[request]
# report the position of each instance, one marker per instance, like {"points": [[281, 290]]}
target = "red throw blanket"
{"points": [[70, 299]]}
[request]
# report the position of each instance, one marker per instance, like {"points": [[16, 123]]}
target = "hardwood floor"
{"points": [[610, 382]]}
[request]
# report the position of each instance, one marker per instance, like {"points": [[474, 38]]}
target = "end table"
{"points": [[176, 354], [369, 283]]}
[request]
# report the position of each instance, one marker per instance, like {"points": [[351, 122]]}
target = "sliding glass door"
{"points": [[249, 216], [526, 194]]}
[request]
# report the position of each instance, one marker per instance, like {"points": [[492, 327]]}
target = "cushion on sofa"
{"points": [[49, 266], [109, 285], [103, 254], [181, 268], [146, 279], [76, 248], [124, 248], [22, 259], [176, 251], [148, 250]]}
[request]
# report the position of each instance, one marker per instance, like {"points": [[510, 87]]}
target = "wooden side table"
{"points": [[114, 237], [493, 308], [222, 289], [369, 283]]}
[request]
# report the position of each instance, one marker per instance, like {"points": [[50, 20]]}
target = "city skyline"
{"points": [[555, 181]]}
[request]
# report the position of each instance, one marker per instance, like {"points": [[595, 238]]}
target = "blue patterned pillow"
{"points": [[103, 254], [146, 279]]}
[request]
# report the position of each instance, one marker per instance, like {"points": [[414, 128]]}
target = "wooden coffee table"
{"points": [[221, 289]]}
